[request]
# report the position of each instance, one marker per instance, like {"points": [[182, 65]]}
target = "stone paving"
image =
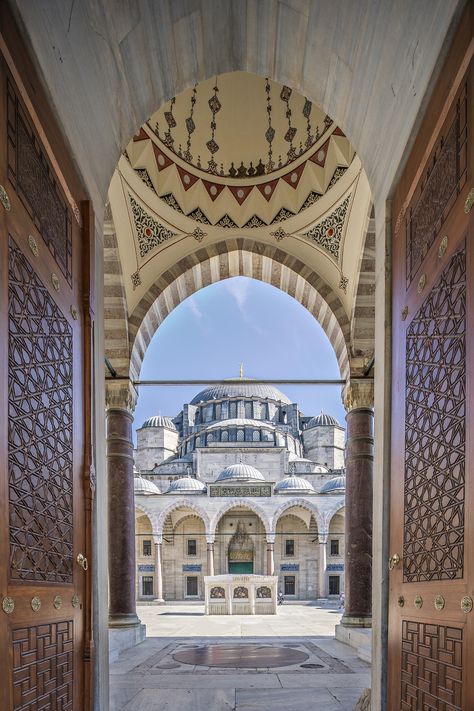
{"points": [[153, 677]]}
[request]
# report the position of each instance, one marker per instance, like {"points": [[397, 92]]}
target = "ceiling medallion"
{"points": [[466, 604], [343, 283], [439, 602], [279, 234], [418, 602], [35, 603], [57, 602], [8, 605], [33, 245], [136, 280], [198, 234]]}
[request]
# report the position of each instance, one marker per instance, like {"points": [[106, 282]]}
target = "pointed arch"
{"points": [[239, 257], [240, 503], [196, 508], [304, 504]]}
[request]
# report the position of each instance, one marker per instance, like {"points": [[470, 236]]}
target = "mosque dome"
{"points": [[159, 421], [240, 472], [186, 485], [293, 484], [144, 487], [243, 387], [336, 485], [322, 420]]}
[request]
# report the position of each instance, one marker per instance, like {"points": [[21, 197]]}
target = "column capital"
{"points": [[358, 393], [270, 537], [157, 539], [210, 538], [120, 394], [323, 537]]}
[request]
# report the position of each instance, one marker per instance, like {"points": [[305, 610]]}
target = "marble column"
{"points": [[120, 400], [358, 399], [158, 573], [323, 539], [270, 555], [210, 556]]}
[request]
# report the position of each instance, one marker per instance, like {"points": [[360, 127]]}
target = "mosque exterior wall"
{"points": [[250, 486]]}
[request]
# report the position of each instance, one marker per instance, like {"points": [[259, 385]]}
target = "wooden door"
{"points": [[44, 591], [431, 622]]}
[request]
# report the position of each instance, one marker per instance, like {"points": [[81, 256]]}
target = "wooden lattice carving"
{"points": [[438, 188], [431, 667], [43, 667], [433, 546], [40, 428], [32, 176]]}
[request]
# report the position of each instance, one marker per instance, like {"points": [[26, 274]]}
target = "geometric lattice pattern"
{"points": [[150, 233], [431, 667], [32, 175], [40, 429], [43, 661], [443, 180], [433, 545], [328, 233]]}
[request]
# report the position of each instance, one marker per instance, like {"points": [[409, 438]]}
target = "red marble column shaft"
{"points": [[122, 569], [358, 517]]}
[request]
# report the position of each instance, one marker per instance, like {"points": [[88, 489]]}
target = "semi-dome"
{"points": [[243, 387], [186, 485], [144, 487], [240, 472], [336, 485], [322, 420], [293, 484], [159, 421]]}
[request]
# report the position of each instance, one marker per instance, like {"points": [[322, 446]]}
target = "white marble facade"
{"points": [[239, 482]]}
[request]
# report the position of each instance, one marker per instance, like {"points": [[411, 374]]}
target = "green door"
{"points": [[239, 568]]}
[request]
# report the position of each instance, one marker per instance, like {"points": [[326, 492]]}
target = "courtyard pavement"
{"points": [[328, 675]]}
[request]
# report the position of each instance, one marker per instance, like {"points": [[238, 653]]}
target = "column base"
{"points": [[118, 621], [158, 601], [122, 638], [353, 621]]}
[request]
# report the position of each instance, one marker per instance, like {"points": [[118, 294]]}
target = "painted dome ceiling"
{"points": [[240, 151], [238, 156]]}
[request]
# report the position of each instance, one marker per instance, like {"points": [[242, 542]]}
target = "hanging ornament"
{"points": [[170, 120], [285, 95], [270, 132], [212, 145], [190, 127]]}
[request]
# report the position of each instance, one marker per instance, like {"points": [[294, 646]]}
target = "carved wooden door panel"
{"points": [[42, 509], [431, 633]]}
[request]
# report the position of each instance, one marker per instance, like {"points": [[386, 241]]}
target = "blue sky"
{"points": [[239, 320]]}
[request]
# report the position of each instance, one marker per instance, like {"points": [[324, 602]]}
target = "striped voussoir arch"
{"points": [[363, 315], [115, 301], [238, 257]]}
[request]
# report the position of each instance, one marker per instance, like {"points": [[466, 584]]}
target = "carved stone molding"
{"points": [[358, 393], [120, 394]]}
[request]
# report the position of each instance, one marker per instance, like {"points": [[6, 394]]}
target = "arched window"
{"points": [[225, 436], [249, 410], [240, 435], [265, 415], [232, 410], [218, 411], [256, 435]]}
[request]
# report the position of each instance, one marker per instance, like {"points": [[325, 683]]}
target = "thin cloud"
{"points": [[194, 308]]}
